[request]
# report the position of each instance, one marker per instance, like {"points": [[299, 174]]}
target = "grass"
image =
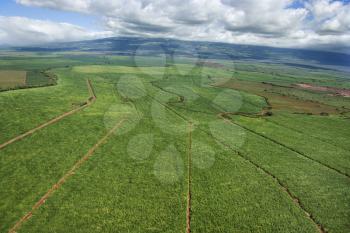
{"points": [[40, 78], [315, 126], [234, 191], [311, 182], [118, 69], [325, 152], [245, 175], [41, 104]]}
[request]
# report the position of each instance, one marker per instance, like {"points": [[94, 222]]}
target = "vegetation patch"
{"points": [[281, 101], [202, 147], [11, 79], [38, 78]]}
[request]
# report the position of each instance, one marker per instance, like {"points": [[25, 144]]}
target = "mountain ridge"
{"points": [[210, 50]]}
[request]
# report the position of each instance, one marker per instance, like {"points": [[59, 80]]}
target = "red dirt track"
{"points": [[61, 181], [189, 192], [283, 187], [90, 101], [336, 91]]}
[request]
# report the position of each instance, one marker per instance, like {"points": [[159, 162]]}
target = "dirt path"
{"points": [[189, 169], [61, 181], [90, 101], [283, 187], [335, 90], [189, 184]]}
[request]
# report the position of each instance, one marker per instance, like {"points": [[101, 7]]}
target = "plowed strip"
{"points": [[189, 188], [90, 101], [64, 178]]}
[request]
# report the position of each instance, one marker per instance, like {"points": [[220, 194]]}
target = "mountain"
{"points": [[154, 46]]}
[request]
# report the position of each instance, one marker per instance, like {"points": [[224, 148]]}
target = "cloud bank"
{"points": [[25, 31], [321, 24]]}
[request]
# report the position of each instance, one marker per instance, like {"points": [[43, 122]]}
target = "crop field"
{"points": [[138, 144], [12, 78]]}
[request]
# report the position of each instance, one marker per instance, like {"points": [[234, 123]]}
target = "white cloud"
{"points": [[76, 5], [266, 22], [340, 23], [322, 9], [24, 31], [265, 16], [330, 17]]}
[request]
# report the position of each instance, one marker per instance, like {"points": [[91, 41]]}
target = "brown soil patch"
{"points": [[12, 78], [278, 101], [64, 178], [333, 90], [90, 101], [211, 64]]}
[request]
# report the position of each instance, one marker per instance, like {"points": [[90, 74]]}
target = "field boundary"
{"points": [[61, 181], [189, 184], [189, 169], [90, 101], [51, 77], [290, 148], [283, 187]]}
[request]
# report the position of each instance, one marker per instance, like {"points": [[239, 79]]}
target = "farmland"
{"points": [[152, 145], [12, 78], [16, 79]]}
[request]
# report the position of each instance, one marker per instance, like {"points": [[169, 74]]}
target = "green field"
{"points": [[217, 146]]}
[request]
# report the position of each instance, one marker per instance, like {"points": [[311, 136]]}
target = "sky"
{"points": [[320, 24]]}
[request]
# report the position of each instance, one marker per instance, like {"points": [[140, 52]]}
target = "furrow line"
{"points": [[189, 184], [63, 179], [90, 101], [301, 132], [289, 148], [283, 187]]}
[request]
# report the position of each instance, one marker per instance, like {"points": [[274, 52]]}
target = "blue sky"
{"points": [[323, 24], [11, 8]]}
